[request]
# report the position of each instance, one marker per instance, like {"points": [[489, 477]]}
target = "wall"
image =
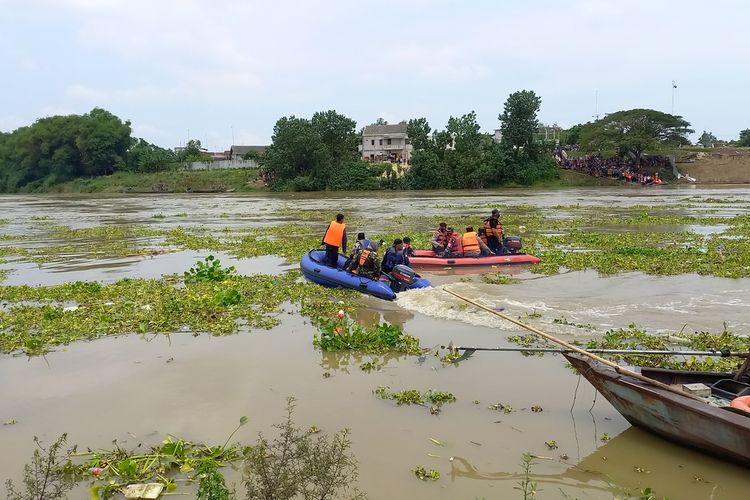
{"points": [[222, 164]]}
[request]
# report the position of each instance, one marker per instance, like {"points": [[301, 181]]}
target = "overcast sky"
{"points": [[222, 67]]}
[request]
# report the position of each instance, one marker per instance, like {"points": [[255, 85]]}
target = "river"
{"points": [[137, 389]]}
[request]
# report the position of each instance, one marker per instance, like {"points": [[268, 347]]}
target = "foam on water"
{"points": [[436, 303]]}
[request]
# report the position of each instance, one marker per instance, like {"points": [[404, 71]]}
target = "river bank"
{"points": [[173, 181], [230, 181]]}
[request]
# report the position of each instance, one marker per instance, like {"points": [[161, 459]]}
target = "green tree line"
{"points": [[321, 153], [61, 148]]}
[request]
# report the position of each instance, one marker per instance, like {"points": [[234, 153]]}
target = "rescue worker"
{"points": [[394, 256], [494, 231], [472, 245], [335, 238], [360, 244], [440, 239], [408, 250], [453, 247], [366, 262]]}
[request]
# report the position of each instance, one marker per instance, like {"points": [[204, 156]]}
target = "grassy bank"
{"points": [[239, 180], [178, 181]]}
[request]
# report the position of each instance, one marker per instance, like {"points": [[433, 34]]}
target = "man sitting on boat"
{"points": [[440, 239], [408, 250], [359, 245], [472, 245], [366, 262], [494, 231], [453, 247], [394, 256]]}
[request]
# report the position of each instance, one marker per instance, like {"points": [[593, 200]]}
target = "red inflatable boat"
{"points": [[428, 258]]}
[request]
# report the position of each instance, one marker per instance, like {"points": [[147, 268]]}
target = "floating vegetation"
{"points": [[499, 279], [208, 270], [633, 337], [39, 318], [414, 397], [564, 321], [507, 409], [426, 474], [551, 444], [342, 333], [609, 240]]}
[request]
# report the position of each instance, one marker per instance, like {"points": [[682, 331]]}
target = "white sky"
{"points": [[214, 68]]}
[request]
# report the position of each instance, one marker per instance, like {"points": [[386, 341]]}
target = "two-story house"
{"points": [[386, 143]]}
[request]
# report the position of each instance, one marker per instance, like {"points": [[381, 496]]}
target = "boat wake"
{"points": [[436, 303]]}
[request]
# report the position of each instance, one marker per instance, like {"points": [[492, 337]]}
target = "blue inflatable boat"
{"points": [[313, 268]]}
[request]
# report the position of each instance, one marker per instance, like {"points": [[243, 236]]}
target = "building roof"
{"points": [[242, 150], [396, 128]]}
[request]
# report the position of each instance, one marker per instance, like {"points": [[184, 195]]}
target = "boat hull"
{"points": [[681, 419], [314, 270], [428, 258]]}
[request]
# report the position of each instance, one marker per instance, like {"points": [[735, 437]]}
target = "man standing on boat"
{"points": [[335, 238], [494, 232]]}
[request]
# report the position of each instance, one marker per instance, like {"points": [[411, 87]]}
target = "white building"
{"points": [[386, 143]]}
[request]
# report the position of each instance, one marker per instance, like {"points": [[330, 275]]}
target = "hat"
{"points": [[495, 211], [360, 236]]}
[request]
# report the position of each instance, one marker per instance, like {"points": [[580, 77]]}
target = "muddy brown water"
{"points": [[198, 387]]}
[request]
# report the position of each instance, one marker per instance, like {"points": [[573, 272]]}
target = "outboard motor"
{"points": [[512, 244], [402, 277]]}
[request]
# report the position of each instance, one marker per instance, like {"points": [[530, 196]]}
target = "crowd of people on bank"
{"points": [[364, 258], [615, 167]]}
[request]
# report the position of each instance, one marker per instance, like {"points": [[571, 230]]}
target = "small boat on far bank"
{"points": [[315, 270], [429, 258], [685, 419]]}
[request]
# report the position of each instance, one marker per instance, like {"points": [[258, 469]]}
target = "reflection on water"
{"points": [[111, 387]]}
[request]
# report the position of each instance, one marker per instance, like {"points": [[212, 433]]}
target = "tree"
{"points": [[572, 136], [635, 131], [707, 140], [744, 138], [458, 157], [145, 157], [381, 121], [316, 154], [518, 121], [59, 148], [418, 131]]}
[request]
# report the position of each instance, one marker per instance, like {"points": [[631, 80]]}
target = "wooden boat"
{"points": [[723, 432]]}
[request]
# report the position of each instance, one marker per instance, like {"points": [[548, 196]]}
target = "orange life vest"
{"points": [[335, 234], [363, 255], [470, 242], [493, 231], [454, 243]]}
